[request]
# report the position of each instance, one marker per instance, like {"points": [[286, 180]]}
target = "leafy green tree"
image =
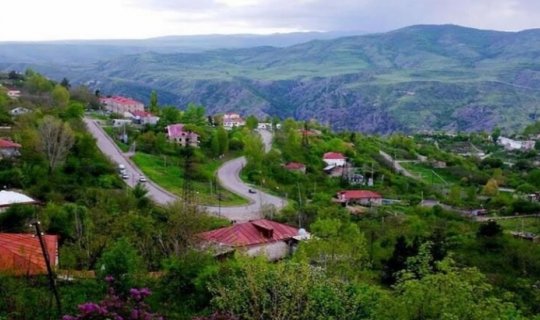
{"points": [[223, 138], [169, 115], [491, 188], [60, 96], [37, 83], [154, 107], [450, 294], [252, 122], [65, 83], [495, 134], [121, 261], [338, 247], [195, 115], [256, 289]]}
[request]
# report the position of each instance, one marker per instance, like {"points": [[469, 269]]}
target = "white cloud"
{"points": [[74, 19]]}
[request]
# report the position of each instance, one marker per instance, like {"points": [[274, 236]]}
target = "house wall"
{"points": [[273, 251], [336, 162]]}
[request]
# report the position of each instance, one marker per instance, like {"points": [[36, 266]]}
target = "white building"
{"points": [[510, 144], [334, 159], [231, 120]]}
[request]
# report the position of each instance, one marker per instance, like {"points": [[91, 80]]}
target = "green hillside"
{"points": [[417, 78]]}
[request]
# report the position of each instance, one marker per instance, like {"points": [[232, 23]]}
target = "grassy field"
{"points": [[166, 171], [441, 176], [526, 224]]}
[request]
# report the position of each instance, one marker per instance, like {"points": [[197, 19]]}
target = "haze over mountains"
{"points": [[417, 78]]}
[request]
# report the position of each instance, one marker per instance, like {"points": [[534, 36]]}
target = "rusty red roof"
{"points": [[333, 155], [142, 114], [8, 144], [120, 100], [294, 166], [251, 233], [20, 253], [358, 194]]}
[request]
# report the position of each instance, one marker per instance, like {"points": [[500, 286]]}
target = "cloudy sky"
{"points": [[110, 19]]}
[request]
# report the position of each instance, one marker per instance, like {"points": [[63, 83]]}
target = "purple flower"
{"points": [[145, 292], [135, 293], [109, 279], [68, 317], [89, 307], [134, 314]]}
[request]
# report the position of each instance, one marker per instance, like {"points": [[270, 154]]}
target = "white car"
{"points": [[125, 176], [142, 179]]}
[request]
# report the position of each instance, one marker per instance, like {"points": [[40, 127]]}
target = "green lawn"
{"points": [[427, 175], [528, 224], [166, 171]]}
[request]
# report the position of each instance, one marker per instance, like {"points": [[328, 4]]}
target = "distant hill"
{"points": [[73, 52], [424, 77]]}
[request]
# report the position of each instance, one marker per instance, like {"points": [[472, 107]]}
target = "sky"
{"points": [[29, 20]]}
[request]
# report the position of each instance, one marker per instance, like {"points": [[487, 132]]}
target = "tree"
{"points": [[122, 262], [256, 289], [154, 107], [60, 96], [495, 134], [338, 247], [223, 138], [37, 83], [56, 139], [450, 294], [194, 114], [491, 188], [65, 83], [252, 122]]}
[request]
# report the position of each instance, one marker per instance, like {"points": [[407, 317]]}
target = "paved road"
{"points": [[396, 166], [228, 175], [109, 148]]}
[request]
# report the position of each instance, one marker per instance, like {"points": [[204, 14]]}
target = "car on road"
{"points": [[252, 191], [142, 179], [125, 176]]}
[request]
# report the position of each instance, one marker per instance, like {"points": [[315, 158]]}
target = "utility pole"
{"points": [[36, 224]]}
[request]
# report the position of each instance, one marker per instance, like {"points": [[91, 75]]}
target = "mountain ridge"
{"points": [[423, 77]]}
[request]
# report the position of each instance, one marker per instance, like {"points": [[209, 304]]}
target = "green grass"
{"points": [[109, 130], [427, 175], [166, 171], [528, 224]]}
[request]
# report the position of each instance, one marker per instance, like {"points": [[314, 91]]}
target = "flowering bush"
{"points": [[113, 307]]}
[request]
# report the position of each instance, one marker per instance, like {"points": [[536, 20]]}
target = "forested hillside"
{"points": [[417, 78]]}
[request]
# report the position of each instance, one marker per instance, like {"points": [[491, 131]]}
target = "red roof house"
{"points": [[365, 197], [256, 236], [120, 104], [333, 156], [176, 132], [20, 253], [9, 149]]}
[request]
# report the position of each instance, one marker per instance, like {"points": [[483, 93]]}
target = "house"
{"points": [[231, 120], [14, 94], [118, 104], [257, 237], [9, 149], [21, 254], [334, 159], [362, 197], [264, 125], [295, 167], [18, 111], [510, 144], [121, 122], [176, 133], [9, 198], [143, 117]]}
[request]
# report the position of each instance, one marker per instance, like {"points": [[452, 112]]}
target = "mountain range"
{"points": [[424, 77]]}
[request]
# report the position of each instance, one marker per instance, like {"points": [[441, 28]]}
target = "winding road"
{"points": [[228, 176]]}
